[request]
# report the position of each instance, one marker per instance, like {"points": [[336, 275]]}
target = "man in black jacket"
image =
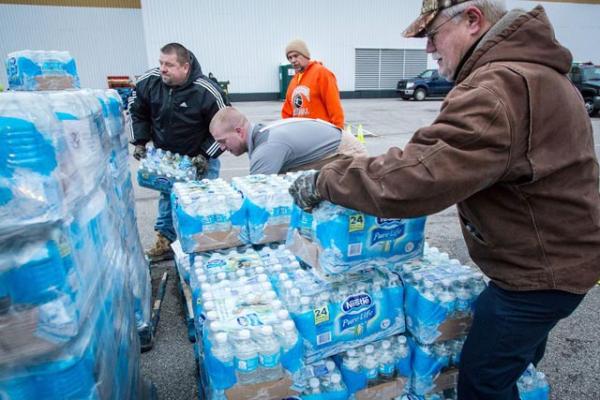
{"points": [[172, 106]]}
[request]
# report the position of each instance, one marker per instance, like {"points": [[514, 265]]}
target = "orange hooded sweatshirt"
{"points": [[314, 94]]}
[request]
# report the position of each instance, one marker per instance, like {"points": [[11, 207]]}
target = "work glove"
{"points": [[139, 152], [201, 164], [304, 191]]}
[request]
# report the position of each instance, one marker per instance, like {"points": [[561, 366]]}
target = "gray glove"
{"points": [[139, 152], [304, 191], [201, 164]]}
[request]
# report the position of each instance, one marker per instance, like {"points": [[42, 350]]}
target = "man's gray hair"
{"points": [[493, 10]]}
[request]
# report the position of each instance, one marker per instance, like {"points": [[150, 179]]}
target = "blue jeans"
{"points": [[509, 331], [164, 220]]}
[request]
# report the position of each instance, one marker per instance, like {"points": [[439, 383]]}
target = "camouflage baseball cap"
{"points": [[429, 11]]}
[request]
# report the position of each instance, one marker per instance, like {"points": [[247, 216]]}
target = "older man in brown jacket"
{"points": [[519, 164]]}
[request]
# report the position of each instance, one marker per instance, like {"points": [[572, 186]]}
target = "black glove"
{"points": [[201, 164], [139, 152], [304, 191]]}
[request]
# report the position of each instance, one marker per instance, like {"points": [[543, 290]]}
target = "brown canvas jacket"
{"points": [[513, 148]]}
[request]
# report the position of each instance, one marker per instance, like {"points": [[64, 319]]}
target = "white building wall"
{"points": [[243, 41], [103, 41]]}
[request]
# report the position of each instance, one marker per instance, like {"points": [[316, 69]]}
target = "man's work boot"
{"points": [[161, 249]]}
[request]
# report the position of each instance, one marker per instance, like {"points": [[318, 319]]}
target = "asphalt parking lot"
{"points": [[572, 359]]}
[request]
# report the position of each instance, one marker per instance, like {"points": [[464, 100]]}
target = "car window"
{"points": [[426, 74], [435, 74], [591, 74]]}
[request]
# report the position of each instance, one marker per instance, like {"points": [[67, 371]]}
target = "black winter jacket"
{"points": [[176, 118]]}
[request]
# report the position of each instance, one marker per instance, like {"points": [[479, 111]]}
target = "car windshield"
{"points": [[426, 74], [591, 74]]}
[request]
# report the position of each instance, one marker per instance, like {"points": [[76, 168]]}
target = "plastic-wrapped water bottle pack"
{"points": [[376, 363], [438, 289], [71, 290], [429, 360], [268, 206], [33, 70], [347, 240], [321, 380], [247, 336], [334, 316], [160, 169], [533, 385], [207, 215]]}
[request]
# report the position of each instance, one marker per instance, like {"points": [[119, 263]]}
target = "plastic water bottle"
{"points": [[290, 335], [351, 360], [305, 305], [336, 384], [246, 359], [269, 355], [222, 350], [387, 365], [446, 297], [463, 296], [315, 385], [370, 367]]}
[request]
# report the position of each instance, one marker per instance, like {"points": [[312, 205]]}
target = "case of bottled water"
{"points": [[438, 290], [376, 363], [208, 215], [71, 290], [268, 206], [160, 169], [321, 380], [33, 70], [336, 239], [533, 385], [333, 316], [34, 162], [246, 336]]}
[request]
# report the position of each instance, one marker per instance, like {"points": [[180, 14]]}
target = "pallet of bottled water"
{"points": [[160, 169], [67, 281], [32, 70], [334, 316], [378, 367], [321, 380], [268, 206], [337, 240], [208, 215], [440, 293], [247, 336]]}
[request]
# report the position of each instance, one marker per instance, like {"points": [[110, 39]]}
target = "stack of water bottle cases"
{"points": [[333, 304], [74, 283]]}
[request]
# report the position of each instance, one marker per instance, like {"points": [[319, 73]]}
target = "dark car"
{"points": [[428, 83], [586, 78]]}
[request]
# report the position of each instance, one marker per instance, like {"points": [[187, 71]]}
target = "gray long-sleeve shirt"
{"points": [[289, 143]]}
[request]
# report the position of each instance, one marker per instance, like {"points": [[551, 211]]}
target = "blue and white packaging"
{"points": [[440, 293], [533, 385], [245, 339], [268, 207], [428, 362], [336, 239], [160, 169], [207, 215], [376, 363], [335, 316], [32, 70], [32, 149], [321, 380]]}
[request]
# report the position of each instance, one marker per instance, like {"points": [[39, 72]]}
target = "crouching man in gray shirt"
{"points": [[291, 144]]}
